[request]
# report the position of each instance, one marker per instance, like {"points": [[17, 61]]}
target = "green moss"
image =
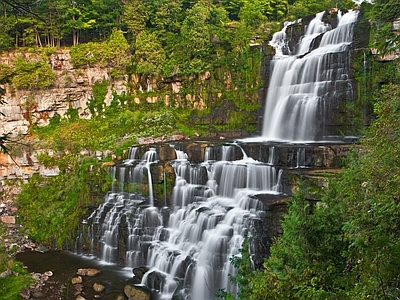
{"points": [[51, 208]]}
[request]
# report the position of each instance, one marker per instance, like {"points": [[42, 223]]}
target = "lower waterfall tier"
{"points": [[183, 220]]}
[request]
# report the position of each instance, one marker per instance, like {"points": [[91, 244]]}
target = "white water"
{"points": [[188, 249], [304, 87], [207, 224]]}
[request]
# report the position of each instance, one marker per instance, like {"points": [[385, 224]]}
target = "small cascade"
{"points": [[187, 246], [129, 178], [315, 28], [305, 87]]}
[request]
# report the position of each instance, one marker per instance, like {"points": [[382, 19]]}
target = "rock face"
{"points": [[72, 89]]}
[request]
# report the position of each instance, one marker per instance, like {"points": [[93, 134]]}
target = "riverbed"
{"points": [[64, 265]]}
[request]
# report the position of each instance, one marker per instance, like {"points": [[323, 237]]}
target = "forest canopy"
{"points": [[193, 35]]}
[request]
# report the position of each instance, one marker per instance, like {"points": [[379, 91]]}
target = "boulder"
{"points": [[88, 272], [76, 280], [25, 293], [98, 287], [6, 273], [8, 220], [136, 293], [139, 272], [78, 287]]}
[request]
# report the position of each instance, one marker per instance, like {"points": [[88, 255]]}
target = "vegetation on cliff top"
{"points": [[168, 38]]}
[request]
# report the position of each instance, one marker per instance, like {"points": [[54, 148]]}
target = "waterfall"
{"points": [[221, 196], [187, 246], [306, 86]]}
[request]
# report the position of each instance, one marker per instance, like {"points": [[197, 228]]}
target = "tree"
{"points": [[252, 13], [135, 17], [149, 54], [168, 16], [373, 202], [196, 36], [78, 17]]}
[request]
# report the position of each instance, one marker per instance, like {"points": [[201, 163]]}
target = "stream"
{"points": [[64, 265]]}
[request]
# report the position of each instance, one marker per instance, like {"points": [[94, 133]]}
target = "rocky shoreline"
{"points": [[80, 285]]}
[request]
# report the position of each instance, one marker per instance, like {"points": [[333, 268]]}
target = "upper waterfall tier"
{"points": [[307, 84]]}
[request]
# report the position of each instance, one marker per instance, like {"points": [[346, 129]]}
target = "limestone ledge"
{"points": [[73, 89]]}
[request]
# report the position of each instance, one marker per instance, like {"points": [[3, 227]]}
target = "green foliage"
{"points": [[136, 16], [19, 278], [32, 74], [345, 246], [149, 54], [86, 54], [96, 104], [112, 53], [5, 41], [120, 125], [115, 52], [51, 208], [373, 200], [382, 14], [253, 13], [11, 286]]}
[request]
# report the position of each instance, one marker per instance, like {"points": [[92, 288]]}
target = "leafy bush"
{"points": [[11, 285], [32, 75], [51, 208], [96, 103], [111, 53], [86, 54]]}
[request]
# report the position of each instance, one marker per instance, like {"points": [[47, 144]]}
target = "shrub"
{"points": [[32, 75]]}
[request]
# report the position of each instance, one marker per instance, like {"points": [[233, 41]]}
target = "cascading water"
{"points": [[305, 86], [187, 245]]}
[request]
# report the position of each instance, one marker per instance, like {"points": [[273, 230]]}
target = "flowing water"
{"points": [[187, 240], [188, 245], [305, 86]]}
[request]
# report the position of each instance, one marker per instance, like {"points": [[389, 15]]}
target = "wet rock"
{"points": [[98, 287], [79, 287], [136, 293], [80, 297], [76, 280], [155, 280], [120, 297], [25, 293], [88, 272], [139, 272], [6, 273], [41, 249]]}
